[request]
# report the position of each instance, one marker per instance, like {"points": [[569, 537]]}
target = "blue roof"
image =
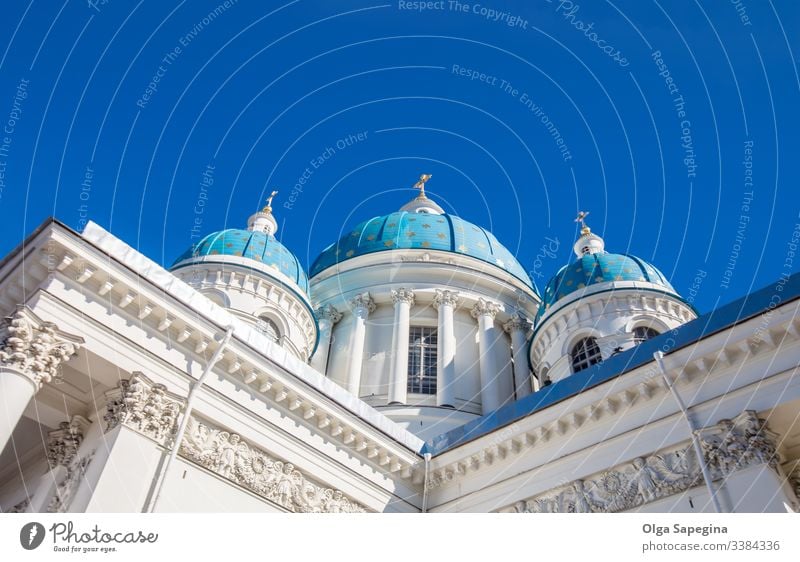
{"points": [[785, 290], [421, 231], [257, 246], [602, 267]]}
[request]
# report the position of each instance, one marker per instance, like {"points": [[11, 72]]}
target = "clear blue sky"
{"points": [[674, 123]]}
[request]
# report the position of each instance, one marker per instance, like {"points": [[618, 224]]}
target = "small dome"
{"points": [[420, 230], [261, 249], [596, 268]]}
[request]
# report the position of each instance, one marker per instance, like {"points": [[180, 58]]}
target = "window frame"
{"points": [[423, 356], [585, 353]]}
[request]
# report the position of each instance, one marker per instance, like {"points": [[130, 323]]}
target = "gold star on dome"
{"points": [[389, 243], [442, 235], [598, 278], [391, 225], [371, 237], [462, 248], [349, 253], [425, 225], [411, 234], [426, 244]]}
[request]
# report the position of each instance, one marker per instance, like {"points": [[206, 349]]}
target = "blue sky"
{"points": [[673, 123]]}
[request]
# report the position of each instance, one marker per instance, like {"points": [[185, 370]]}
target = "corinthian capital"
{"points": [[403, 295], [144, 406], [447, 298], [34, 347], [329, 313], [485, 308], [517, 322], [362, 304]]}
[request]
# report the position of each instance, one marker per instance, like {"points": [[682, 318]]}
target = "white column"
{"points": [[361, 305], [518, 327], [446, 302], [31, 352], [327, 317], [403, 300], [485, 311]]}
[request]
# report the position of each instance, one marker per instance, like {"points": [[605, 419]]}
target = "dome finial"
{"points": [[263, 221], [581, 218], [268, 207], [421, 203], [588, 243], [423, 179]]}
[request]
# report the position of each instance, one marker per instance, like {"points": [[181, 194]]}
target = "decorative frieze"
{"points": [[144, 406], [227, 455], [35, 347], [63, 443], [729, 446], [66, 488]]}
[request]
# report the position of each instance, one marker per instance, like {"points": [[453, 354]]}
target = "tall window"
{"points": [[422, 360], [584, 354], [269, 328], [643, 333]]}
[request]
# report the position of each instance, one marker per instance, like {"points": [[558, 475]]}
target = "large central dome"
{"points": [[420, 231]]}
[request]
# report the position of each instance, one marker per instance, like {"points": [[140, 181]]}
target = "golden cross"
{"points": [[581, 218], [269, 201], [421, 183]]}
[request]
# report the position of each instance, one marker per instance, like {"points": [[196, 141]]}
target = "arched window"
{"points": [[643, 333], [269, 328], [584, 354]]}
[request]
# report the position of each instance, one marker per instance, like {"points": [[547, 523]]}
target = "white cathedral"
{"points": [[417, 369]]}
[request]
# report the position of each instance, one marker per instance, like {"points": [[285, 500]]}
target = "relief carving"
{"points": [[728, 446], [229, 456]]}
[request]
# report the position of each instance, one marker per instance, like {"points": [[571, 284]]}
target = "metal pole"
{"points": [[176, 442], [698, 451]]}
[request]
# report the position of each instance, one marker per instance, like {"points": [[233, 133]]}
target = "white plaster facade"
{"points": [[102, 348]]}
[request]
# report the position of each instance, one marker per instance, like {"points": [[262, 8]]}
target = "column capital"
{"points": [[518, 322], [485, 308], [34, 347], [144, 406], [362, 304], [328, 312], [447, 298], [63, 443], [403, 295]]}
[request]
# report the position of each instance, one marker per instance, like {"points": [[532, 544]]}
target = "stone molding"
{"points": [[234, 459], [445, 297], [34, 347], [144, 406], [63, 443], [728, 446], [485, 308], [403, 295]]}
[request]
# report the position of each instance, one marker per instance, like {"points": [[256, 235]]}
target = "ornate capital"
{"points": [[362, 304], [34, 347], [485, 308], [329, 313], [228, 455], [403, 295], [447, 298], [63, 443], [76, 471], [144, 406], [518, 322]]}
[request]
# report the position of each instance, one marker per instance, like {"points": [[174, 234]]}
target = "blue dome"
{"points": [[421, 231], [593, 269], [257, 246]]}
